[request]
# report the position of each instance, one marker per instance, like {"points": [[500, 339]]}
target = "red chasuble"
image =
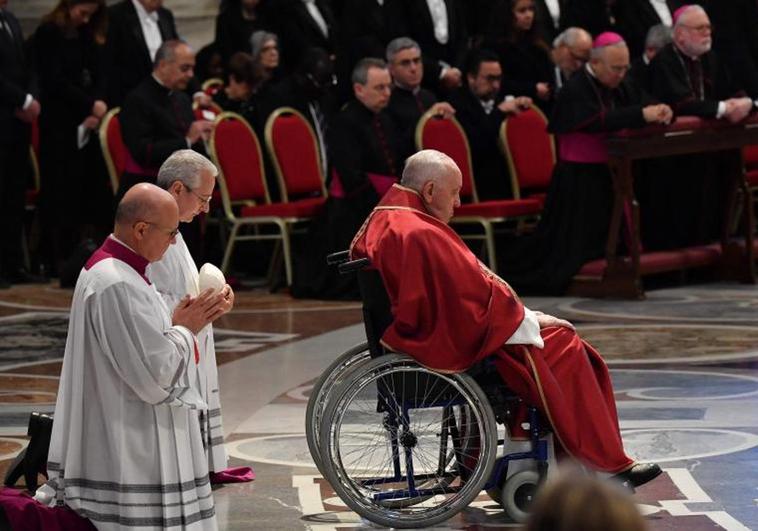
{"points": [[450, 311]]}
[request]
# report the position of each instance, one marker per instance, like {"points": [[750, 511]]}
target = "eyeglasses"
{"points": [[405, 63], [702, 28], [203, 200], [171, 233]]}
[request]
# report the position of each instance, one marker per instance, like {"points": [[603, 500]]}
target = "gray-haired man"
{"points": [[190, 178]]}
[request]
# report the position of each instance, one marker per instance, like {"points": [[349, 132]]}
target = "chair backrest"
{"points": [[447, 135], [212, 85], [236, 152], [294, 150], [113, 147], [529, 150]]}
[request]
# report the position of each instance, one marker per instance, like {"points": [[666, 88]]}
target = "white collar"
{"points": [[142, 12]]}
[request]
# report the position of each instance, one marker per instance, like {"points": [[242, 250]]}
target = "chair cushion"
{"points": [[505, 208], [752, 177], [302, 208], [296, 151]]}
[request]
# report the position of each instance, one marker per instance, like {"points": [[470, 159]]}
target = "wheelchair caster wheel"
{"points": [[518, 493]]}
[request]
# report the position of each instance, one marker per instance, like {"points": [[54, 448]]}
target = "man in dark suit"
{"points": [[409, 100], [306, 24], [136, 29], [480, 114], [551, 17], [439, 26], [635, 17], [657, 38], [18, 109], [157, 118]]}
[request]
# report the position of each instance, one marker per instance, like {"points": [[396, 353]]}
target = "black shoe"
{"points": [[33, 459], [638, 475]]}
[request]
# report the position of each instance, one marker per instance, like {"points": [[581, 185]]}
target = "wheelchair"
{"points": [[405, 446]]}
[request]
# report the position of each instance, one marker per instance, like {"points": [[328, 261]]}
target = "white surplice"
{"points": [[174, 276], [126, 448]]}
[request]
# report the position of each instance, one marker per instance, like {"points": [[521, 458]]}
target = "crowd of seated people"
{"points": [[478, 61]]}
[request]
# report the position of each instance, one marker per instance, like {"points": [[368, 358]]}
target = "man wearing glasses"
{"points": [[190, 178], [687, 75], [126, 446]]}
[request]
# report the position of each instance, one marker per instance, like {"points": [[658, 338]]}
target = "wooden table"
{"points": [[621, 276]]}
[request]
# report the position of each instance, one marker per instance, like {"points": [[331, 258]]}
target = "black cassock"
{"points": [[360, 143], [154, 124], [406, 108], [574, 225], [681, 198]]}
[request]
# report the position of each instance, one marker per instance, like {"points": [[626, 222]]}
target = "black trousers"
{"points": [[14, 175]]}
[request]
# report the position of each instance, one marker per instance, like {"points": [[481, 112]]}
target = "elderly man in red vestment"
{"points": [[450, 311]]}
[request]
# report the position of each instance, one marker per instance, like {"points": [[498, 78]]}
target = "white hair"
{"points": [[186, 166], [424, 166], [694, 8], [570, 36]]}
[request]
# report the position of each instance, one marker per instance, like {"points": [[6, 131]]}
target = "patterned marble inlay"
{"points": [[666, 343]]}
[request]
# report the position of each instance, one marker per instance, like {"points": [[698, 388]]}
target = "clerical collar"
{"points": [[413, 91], [114, 248], [645, 59], [487, 105], [590, 70], [685, 55]]}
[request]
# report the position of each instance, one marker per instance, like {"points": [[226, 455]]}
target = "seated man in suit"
{"points": [[409, 100], [657, 37], [480, 114], [571, 50], [364, 155], [157, 117]]}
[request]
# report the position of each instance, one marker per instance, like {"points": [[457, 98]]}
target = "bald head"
{"points": [[437, 179], [146, 220]]}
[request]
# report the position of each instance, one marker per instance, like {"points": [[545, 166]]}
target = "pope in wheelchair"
{"points": [[409, 440]]}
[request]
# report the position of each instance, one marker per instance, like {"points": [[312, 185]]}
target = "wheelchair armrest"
{"points": [[353, 265], [337, 258]]}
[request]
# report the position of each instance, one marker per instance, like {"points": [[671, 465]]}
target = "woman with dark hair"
{"points": [[69, 52], [514, 34], [243, 77]]}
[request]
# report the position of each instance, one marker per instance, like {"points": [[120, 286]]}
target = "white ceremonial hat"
{"points": [[210, 276]]}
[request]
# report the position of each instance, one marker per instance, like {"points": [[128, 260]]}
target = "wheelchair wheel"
{"points": [[518, 493], [404, 446], [322, 391]]}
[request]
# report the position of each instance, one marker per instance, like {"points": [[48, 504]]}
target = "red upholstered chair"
{"points": [[294, 151], [530, 152], [113, 147], [447, 136], [246, 203], [212, 85]]}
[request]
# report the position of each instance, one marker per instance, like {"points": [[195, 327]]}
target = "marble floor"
{"points": [[684, 364]]}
